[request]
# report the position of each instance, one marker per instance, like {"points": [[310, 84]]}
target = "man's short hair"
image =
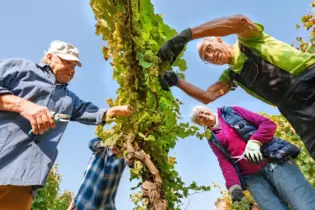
{"points": [[202, 42]]}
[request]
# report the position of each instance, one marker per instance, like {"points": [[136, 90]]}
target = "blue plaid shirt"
{"points": [[101, 179]]}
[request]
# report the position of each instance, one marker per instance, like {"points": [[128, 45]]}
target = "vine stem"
{"points": [[151, 190], [130, 13]]}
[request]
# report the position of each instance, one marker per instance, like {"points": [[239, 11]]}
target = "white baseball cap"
{"points": [[65, 51]]}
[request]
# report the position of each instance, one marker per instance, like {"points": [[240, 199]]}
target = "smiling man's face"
{"points": [[63, 69], [214, 50]]}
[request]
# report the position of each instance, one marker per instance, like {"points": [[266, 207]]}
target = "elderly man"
{"points": [[35, 107], [265, 67]]}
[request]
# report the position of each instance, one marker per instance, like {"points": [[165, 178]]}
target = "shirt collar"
{"points": [[46, 67], [217, 123], [236, 55]]}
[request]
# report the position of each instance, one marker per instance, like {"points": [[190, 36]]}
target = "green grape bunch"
{"points": [[244, 204]]}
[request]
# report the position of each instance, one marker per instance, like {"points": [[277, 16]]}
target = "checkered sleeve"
{"points": [[99, 186]]}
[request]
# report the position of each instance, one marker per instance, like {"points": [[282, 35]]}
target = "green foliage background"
{"points": [[48, 197]]}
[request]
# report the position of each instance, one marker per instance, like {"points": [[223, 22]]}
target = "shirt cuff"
{"points": [[96, 145], [235, 186], [4, 91], [232, 182], [100, 116]]}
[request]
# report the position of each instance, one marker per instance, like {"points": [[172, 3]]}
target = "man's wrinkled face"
{"points": [[63, 69], [214, 50]]}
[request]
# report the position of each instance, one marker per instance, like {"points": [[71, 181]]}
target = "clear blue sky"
{"points": [[27, 28]]}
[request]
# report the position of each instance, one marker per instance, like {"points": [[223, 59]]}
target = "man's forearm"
{"points": [[122, 110], [11, 103], [193, 91], [236, 24], [213, 92]]}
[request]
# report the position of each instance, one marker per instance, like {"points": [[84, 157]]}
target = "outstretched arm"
{"points": [[89, 114], [215, 91], [235, 24]]}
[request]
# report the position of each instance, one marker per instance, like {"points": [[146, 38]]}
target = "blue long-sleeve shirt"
{"points": [[27, 160]]}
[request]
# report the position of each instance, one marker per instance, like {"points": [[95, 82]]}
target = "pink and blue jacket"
{"points": [[235, 145]]}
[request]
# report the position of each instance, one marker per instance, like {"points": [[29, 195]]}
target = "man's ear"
{"points": [[49, 56], [219, 39]]}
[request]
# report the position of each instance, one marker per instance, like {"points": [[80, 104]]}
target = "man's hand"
{"points": [[40, 117], [116, 111], [174, 46], [114, 150], [252, 151], [169, 79], [236, 192]]}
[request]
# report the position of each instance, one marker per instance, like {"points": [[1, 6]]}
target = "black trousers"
{"points": [[298, 107]]}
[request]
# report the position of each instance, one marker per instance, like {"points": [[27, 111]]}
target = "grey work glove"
{"points": [[252, 152], [174, 46], [236, 193], [168, 79]]}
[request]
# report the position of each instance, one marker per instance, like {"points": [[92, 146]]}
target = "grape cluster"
{"points": [[150, 56], [244, 204]]}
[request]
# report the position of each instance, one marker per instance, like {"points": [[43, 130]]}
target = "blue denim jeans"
{"points": [[278, 186]]}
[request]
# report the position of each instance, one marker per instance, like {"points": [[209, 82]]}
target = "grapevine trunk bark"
{"points": [[150, 189]]}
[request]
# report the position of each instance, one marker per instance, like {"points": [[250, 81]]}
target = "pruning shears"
{"points": [[58, 118], [239, 157]]}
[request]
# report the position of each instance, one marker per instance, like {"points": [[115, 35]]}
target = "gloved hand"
{"points": [[174, 46], [236, 193], [168, 79], [252, 151]]}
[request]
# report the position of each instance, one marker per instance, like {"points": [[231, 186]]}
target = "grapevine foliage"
{"points": [[308, 23], [49, 197], [134, 34]]}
